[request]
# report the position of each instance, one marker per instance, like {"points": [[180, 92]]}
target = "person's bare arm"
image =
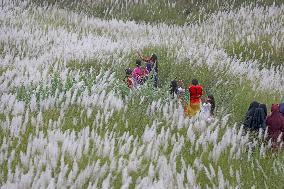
{"points": [[142, 57]]}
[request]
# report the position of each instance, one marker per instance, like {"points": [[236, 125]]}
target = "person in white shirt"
{"points": [[208, 107]]}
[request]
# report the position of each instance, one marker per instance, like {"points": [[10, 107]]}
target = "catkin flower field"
{"points": [[68, 120]]}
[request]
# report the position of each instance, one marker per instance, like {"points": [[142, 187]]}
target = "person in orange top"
{"points": [[195, 92], [128, 78]]}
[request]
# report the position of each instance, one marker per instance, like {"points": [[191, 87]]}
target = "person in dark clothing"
{"points": [[173, 88], [255, 116], [249, 115], [259, 119], [253, 105], [275, 124], [281, 108], [263, 106], [151, 61]]}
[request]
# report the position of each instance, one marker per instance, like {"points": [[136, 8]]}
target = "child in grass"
{"points": [[128, 78], [207, 109]]}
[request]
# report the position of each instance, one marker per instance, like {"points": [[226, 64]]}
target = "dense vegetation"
{"points": [[68, 119], [167, 11]]}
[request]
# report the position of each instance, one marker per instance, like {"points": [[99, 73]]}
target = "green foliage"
{"points": [[89, 66], [170, 12], [2, 70], [262, 50], [2, 48], [155, 11]]}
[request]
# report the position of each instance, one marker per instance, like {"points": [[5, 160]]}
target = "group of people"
{"points": [[191, 99], [139, 75], [257, 118]]}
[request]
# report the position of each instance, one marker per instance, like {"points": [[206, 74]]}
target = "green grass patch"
{"points": [[170, 12], [262, 50], [3, 70]]}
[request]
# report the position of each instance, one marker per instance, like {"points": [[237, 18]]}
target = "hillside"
{"points": [[68, 120]]}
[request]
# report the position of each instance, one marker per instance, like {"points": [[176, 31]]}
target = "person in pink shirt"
{"points": [[137, 72], [144, 76]]}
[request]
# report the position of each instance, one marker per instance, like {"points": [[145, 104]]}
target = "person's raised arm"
{"points": [[142, 57]]}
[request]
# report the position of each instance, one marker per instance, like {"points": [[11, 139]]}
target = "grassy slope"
{"points": [[263, 51], [171, 12], [235, 101], [182, 12]]}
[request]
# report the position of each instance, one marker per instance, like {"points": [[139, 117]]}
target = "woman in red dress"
{"points": [[195, 92]]}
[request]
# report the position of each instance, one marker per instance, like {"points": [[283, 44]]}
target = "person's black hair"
{"points": [[194, 82], [128, 71], [173, 88], [154, 57], [212, 102], [252, 105], [263, 106], [138, 62]]}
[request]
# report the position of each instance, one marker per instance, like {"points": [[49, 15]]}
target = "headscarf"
{"points": [[253, 105], [274, 107], [255, 116], [275, 123], [263, 106]]}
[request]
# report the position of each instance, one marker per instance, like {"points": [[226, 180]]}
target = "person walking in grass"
{"points": [[195, 92], [151, 64], [151, 61], [174, 88], [255, 117], [275, 124]]}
